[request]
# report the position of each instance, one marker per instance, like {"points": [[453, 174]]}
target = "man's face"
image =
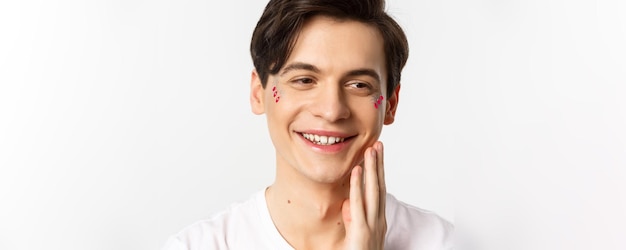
{"points": [[321, 108]]}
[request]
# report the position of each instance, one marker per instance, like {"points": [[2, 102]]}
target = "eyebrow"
{"points": [[305, 66], [299, 66]]}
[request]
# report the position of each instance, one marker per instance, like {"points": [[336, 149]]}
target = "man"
{"points": [[326, 76]]}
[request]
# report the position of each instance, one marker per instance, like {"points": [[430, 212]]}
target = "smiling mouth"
{"points": [[323, 140]]}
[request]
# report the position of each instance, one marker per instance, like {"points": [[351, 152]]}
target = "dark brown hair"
{"points": [[278, 28]]}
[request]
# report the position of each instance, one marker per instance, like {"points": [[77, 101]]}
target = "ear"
{"points": [[392, 106], [257, 96]]}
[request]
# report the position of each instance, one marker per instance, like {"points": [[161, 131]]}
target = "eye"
{"points": [[360, 88], [302, 83], [359, 85], [303, 80]]}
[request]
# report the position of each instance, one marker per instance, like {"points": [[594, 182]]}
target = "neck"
{"points": [[306, 211], [316, 201]]}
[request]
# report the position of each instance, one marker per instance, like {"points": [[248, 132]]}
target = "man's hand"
{"points": [[364, 212]]}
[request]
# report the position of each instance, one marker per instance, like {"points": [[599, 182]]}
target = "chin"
{"points": [[328, 175]]}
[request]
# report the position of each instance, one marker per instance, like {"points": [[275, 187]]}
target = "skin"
{"points": [[320, 199]]}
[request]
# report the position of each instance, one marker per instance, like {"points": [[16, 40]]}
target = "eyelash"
{"points": [[301, 80], [364, 85]]}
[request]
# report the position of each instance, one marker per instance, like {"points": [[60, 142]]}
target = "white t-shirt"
{"points": [[248, 225]]}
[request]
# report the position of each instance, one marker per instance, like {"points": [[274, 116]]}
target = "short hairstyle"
{"points": [[276, 32]]}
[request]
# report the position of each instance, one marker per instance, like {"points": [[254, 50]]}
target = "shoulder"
{"points": [[217, 231], [410, 227]]}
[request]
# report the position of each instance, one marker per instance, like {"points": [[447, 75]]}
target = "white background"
{"points": [[123, 121]]}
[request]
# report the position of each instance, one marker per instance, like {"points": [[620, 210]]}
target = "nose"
{"points": [[330, 104]]}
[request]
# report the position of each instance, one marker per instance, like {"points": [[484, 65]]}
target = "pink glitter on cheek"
{"points": [[276, 94], [378, 102]]}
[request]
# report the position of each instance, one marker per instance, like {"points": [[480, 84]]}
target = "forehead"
{"points": [[336, 46]]}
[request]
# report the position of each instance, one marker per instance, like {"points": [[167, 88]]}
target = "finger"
{"points": [[372, 193], [345, 214], [381, 178], [356, 196]]}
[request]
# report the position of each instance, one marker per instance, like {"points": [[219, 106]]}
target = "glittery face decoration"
{"points": [[378, 102], [276, 93]]}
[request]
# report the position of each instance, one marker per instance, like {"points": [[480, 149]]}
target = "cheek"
{"points": [[280, 106], [275, 97], [367, 117], [370, 108]]}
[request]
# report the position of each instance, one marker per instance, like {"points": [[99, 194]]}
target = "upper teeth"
{"points": [[322, 139]]}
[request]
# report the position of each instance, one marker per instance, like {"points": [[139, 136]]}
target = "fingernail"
{"points": [[379, 146]]}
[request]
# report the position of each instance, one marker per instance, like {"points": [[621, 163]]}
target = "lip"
{"points": [[335, 148]]}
